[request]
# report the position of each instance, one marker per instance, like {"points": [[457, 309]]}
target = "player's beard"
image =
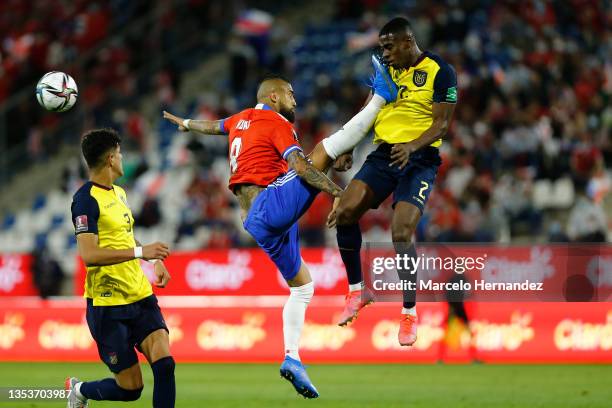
{"points": [[288, 114]]}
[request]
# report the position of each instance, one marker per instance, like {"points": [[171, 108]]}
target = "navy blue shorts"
{"points": [[118, 329], [272, 220], [412, 184]]}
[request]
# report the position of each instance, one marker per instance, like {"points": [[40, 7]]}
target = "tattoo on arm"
{"points": [[311, 174], [208, 127]]}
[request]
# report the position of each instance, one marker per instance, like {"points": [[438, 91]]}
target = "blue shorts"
{"points": [[412, 184], [272, 220], [118, 329]]}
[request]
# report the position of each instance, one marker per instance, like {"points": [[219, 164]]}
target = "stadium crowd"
{"points": [[107, 46], [525, 157], [526, 153]]}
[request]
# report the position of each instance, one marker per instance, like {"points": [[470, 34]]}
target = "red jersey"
{"points": [[260, 140]]}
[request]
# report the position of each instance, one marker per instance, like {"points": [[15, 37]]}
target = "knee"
{"points": [[402, 233], [310, 291], [304, 292], [164, 367], [346, 215], [131, 395]]}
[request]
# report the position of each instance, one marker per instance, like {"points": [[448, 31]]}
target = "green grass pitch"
{"points": [[259, 385]]}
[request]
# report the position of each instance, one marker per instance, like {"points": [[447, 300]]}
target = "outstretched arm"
{"points": [[311, 174], [208, 127]]}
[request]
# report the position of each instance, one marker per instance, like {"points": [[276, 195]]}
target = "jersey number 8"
{"points": [[234, 152]]}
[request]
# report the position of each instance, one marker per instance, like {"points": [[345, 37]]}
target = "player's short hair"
{"points": [[96, 143], [268, 77], [395, 26], [271, 75]]}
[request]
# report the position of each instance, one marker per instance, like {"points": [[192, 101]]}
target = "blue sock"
{"points": [[108, 390], [349, 243], [164, 387], [404, 248]]}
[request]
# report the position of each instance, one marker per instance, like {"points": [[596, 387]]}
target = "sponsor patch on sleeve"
{"points": [[81, 223], [451, 94]]}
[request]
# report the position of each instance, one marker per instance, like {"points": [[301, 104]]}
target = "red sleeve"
{"points": [[228, 123], [285, 141]]}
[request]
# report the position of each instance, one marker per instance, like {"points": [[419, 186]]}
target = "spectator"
{"points": [[48, 275], [587, 220]]}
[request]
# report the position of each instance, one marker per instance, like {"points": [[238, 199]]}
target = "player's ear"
{"points": [[273, 97], [110, 158], [410, 39]]}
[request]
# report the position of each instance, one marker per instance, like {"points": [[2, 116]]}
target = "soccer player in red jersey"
{"points": [[275, 184]]}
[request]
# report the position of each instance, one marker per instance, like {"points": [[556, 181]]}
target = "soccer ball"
{"points": [[56, 91]]}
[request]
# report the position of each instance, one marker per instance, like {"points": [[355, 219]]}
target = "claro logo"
{"points": [[599, 271], [11, 330], [204, 274], [325, 274], [503, 336], [576, 334], [218, 335], [536, 269]]}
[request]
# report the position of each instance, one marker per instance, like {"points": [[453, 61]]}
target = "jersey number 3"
{"points": [[129, 222], [234, 152]]}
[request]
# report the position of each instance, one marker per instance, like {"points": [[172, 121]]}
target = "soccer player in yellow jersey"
{"points": [[122, 311], [409, 132]]}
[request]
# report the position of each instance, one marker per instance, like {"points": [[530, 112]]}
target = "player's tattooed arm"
{"points": [[311, 174], [208, 127]]}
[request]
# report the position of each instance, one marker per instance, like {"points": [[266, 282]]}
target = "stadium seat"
{"points": [[39, 202], [56, 221], [8, 222], [40, 240]]}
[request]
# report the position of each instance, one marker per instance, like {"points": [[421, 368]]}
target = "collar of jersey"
{"points": [[263, 106], [419, 59], [101, 186]]}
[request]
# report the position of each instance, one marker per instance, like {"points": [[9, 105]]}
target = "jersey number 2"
{"points": [[234, 152], [425, 186]]}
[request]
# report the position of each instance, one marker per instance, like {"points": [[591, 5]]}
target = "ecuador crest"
{"points": [[419, 77]]}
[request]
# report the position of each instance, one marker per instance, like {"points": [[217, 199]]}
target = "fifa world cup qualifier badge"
{"points": [[419, 77], [80, 223]]}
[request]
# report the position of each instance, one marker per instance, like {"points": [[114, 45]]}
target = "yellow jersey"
{"points": [[104, 211], [429, 80]]}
